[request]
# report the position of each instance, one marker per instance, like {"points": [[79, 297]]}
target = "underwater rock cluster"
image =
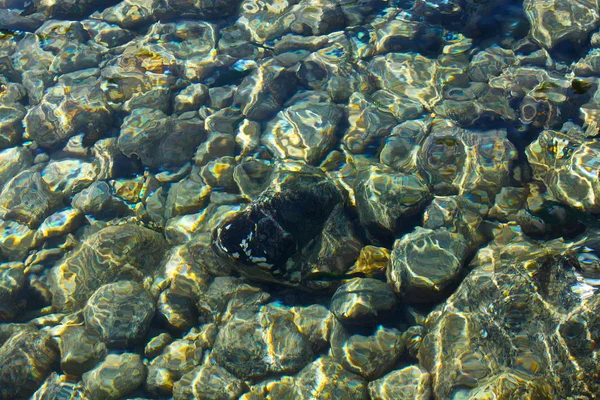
{"points": [[299, 199]]}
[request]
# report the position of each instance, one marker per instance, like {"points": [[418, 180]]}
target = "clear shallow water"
{"points": [[299, 199]]}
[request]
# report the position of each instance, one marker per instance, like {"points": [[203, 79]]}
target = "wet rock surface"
{"points": [[304, 199]]}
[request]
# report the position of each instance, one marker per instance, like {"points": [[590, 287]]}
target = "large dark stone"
{"points": [[282, 221]]}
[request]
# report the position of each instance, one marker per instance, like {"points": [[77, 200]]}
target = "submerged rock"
{"points": [[93, 199], [409, 383], [120, 313], [567, 162], [485, 338], [252, 346], [190, 98], [72, 106], [326, 376], [80, 350], [370, 356], [159, 140], [59, 385], [263, 92], [28, 199], [384, 197], [103, 257], [464, 161], [363, 301], [177, 359], [59, 224], [208, 381], [15, 240], [331, 253], [12, 281], [286, 216], [13, 161], [130, 13], [26, 360], [559, 20], [369, 124], [305, 130], [11, 119], [115, 377], [330, 69], [425, 263]]}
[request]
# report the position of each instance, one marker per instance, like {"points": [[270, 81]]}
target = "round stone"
{"points": [[370, 356], [362, 300], [115, 377], [425, 262], [253, 345], [208, 382], [409, 383], [26, 359], [120, 313]]}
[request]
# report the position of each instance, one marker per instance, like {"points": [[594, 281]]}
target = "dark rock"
{"points": [[287, 215]]}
